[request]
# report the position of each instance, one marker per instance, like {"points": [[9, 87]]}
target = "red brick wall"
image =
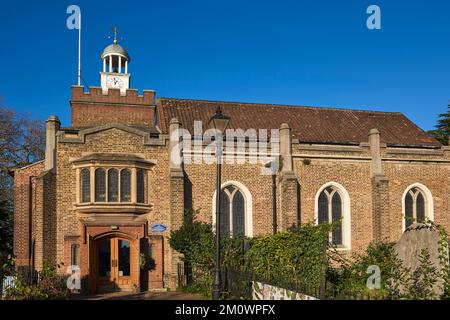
{"points": [[155, 275], [96, 109], [23, 194]]}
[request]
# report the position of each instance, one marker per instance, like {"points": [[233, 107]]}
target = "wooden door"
{"points": [[114, 264], [122, 264]]}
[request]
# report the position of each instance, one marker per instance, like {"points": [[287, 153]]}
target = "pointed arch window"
{"points": [[333, 207], [232, 212], [85, 185], [415, 207]]}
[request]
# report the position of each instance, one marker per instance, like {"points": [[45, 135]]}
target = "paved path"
{"points": [[168, 295]]}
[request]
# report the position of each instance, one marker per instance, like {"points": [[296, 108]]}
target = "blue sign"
{"points": [[158, 227]]}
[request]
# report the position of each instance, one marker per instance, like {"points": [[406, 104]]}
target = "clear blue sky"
{"points": [[317, 53]]}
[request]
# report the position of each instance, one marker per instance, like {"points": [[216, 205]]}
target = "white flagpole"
{"points": [[79, 51]]}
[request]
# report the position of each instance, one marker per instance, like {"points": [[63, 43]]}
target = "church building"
{"points": [[109, 191]]}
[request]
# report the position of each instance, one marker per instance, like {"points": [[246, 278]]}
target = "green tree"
{"points": [[442, 128]]}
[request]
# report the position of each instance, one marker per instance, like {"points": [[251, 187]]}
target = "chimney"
{"points": [[51, 128]]}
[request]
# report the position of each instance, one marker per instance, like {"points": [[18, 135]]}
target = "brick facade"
{"points": [[374, 176]]}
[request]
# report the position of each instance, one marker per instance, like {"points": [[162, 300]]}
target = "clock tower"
{"points": [[115, 68]]}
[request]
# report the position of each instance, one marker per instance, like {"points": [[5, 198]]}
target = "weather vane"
{"points": [[116, 31]]}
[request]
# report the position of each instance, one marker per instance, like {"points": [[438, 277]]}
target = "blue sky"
{"points": [[316, 53]]}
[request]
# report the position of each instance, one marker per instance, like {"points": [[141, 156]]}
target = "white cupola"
{"points": [[115, 67]]}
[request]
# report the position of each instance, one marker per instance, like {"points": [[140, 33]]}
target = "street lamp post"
{"points": [[219, 122]]}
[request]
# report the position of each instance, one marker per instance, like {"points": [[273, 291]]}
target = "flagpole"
{"points": [[79, 51]]}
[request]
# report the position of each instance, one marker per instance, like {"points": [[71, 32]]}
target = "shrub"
{"points": [[196, 241], [397, 281], [50, 286], [298, 256], [423, 279], [352, 275]]}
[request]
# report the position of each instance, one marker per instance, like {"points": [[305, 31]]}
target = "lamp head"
{"points": [[219, 121]]}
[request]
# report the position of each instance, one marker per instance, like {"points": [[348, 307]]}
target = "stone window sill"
{"points": [[111, 207]]}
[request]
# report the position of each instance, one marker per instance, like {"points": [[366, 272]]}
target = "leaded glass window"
{"points": [[100, 185], [330, 210], [75, 255], [415, 207], [85, 185], [125, 185], [232, 211], [140, 185], [113, 185], [238, 214]]}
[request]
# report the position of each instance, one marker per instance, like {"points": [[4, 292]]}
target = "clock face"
{"points": [[115, 82]]}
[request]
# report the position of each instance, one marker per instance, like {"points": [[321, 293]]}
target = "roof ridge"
{"points": [[281, 105]]}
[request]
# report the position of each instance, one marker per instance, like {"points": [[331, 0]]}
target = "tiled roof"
{"points": [[309, 124]]}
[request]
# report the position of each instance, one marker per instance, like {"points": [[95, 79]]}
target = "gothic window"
{"points": [[238, 214], [125, 185], [140, 185], [330, 210], [100, 185], [113, 185], [85, 185], [232, 212], [415, 208]]}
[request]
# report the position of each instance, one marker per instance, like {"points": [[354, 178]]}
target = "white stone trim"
{"points": [[346, 208], [248, 206], [429, 202]]}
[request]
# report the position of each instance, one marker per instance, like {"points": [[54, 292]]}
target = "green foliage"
{"points": [[444, 260], [297, 255], [397, 281], [352, 275], [442, 128], [303, 257], [423, 279], [50, 286], [192, 235], [195, 240]]}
